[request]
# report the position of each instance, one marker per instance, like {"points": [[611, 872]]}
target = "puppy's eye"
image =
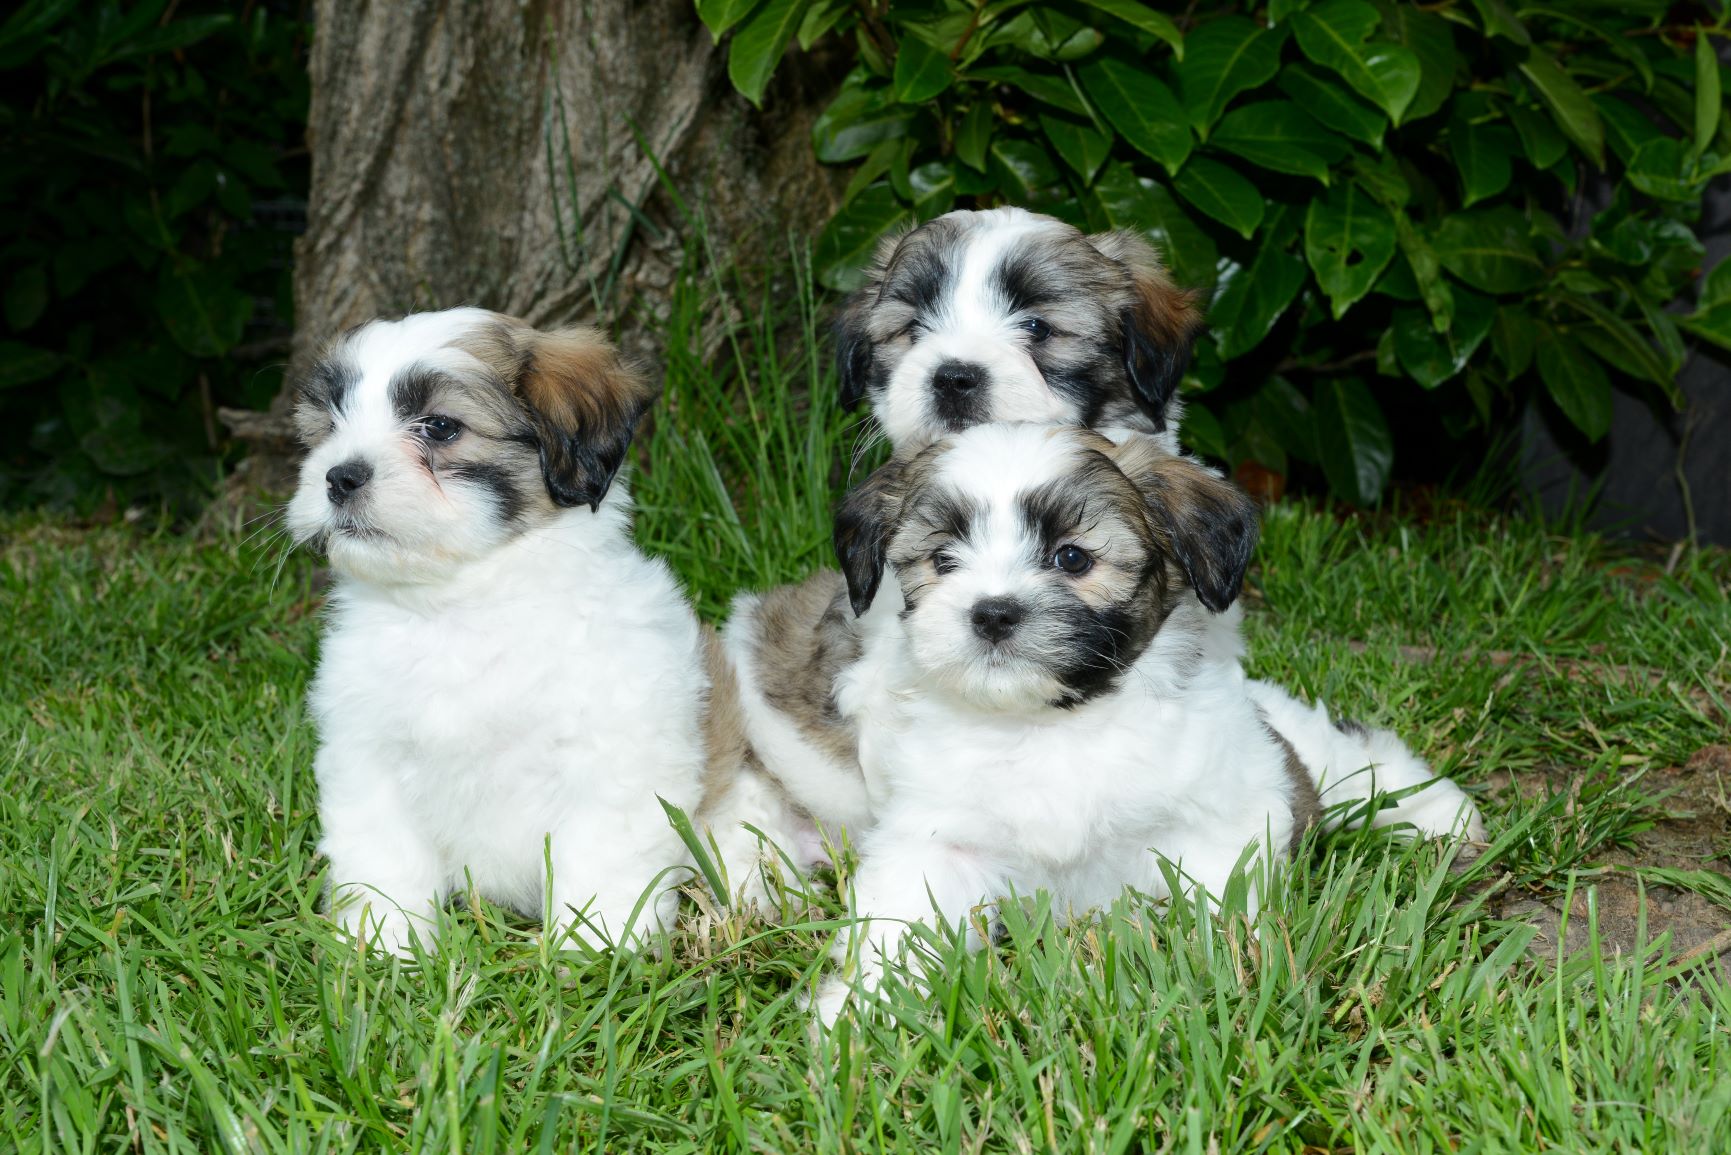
{"points": [[944, 562], [1073, 559], [914, 331], [438, 427], [1037, 329]]}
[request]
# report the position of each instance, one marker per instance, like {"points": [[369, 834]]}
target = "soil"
{"points": [[1695, 835]]}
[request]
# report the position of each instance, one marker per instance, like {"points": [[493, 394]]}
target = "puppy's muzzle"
{"points": [[343, 481], [958, 391], [996, 618]]}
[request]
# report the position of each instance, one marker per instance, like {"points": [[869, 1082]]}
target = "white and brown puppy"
{"points": [[506, 684], [1054, 698], [1007, 315]]}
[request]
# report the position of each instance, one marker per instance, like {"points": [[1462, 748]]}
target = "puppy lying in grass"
{"points": [[1053, 697], [507, 686]]}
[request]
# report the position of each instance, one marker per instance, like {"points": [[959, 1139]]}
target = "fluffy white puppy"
{"points": [[506, 684], [1055, 699]]}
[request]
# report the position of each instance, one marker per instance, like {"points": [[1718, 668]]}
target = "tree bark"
{"points": [[505, 154]]}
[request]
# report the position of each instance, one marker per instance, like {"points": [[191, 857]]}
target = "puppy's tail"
{"points": [[1350, 764]]}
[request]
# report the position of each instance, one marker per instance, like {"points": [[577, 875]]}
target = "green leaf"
{"points": [[26, 297], [1664, 169], [1514, 337], [1333, 34], [847, 243], [819, 19], [1619, 343], [921, 71], [974, 134], [203, 312], [1201, 433], [1348, 240], [1353, 439], [1223, 58], [1577, 382], [1712, 316], [1543, 144], [1127, 201], [857, 121], [1490, 249], [1430, 39], [1052, 90], [1141, 16], [1499, 20], [1253, 299], [1430, 357], [720, 15], [1426, 271], [22, 364], [1332, 106], [1569, 106], [1025, 170], [1220, 192], [1709, 105], [1626, 127], [1142, 109], [1482, 153], [758, 46], [1276, 134], [1082, 146], [933, 188]]}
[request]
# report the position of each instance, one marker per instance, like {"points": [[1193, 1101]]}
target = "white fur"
{"points": [[493, 709]]}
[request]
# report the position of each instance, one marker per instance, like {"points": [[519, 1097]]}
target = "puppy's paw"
{"points": [[393, 933], [1442, 810], [835, 997]]}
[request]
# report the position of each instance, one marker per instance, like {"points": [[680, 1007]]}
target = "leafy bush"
{"points": [[1385, 202], [136, 144]]}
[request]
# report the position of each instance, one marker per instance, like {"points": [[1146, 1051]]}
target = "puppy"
{"points": [[506, 684], [1054, 699]]}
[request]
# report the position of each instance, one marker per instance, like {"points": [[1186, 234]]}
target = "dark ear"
{"points": [[1208, 523], [863, 524], [855, 354], [584, 402], [1160, 325]]}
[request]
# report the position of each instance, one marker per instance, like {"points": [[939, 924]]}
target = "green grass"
{"points": [[166, 983]]}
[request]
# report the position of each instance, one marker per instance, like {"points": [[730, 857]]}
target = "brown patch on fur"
{"points": [[804, 638], [727, 749], [1306, 802], [1162, 310]]}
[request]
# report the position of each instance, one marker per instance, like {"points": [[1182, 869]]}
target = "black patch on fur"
{"points": [[863, 524], [855, 356], [1087, 387], [497, 479], [919, 276], [1102, 644], [1154, 369], [329, 383], [1213, 530], [1351, 728], [1024, 280], [1054, 511], [412, 389]]}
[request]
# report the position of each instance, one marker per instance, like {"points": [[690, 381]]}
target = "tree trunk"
{"points": [[504, 154]]}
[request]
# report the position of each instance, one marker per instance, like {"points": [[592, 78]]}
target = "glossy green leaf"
{"points": [[1219, 191], [1223, 58], [203, 312], [847, 243], [1498, 19], [819, 20], [1431, 40], [1277, 134], [921, 71], [1352, 436], [1540, 140], [1568, 104], [720, 15], [1201, 433], [1712, 316], [1053, 90], [1334, 35], [1490, 249], [1142, 109], [1025, 170], [22, 364], [1253, 299], [1127, 201], [1430, 357], [1482, 155], [974, 134], [1709, 104], [1332, 105], [1626, 128], [857, 121], [1426, 270], [1141, 16], [1081, 146], [758, 46], [1348, 240], [933, 188], [1514, 337], [1664, 168], [1577, 382]]}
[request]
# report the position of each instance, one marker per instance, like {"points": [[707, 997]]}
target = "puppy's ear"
{"points": [[1160, 325], [863, 524], [855, 354], [1208, 523], [584, 402]]}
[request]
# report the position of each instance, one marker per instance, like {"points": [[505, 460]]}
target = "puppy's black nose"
{"points": [[996, 618], [341, 481], [957, 377]]}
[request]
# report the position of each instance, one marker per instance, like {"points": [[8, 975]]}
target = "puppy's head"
{"points": [[1007, 315], [434, 439], [1038, 562]]}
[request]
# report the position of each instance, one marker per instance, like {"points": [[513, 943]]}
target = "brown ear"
{"points": [[1207, 522], [863, 524], [1160, 325], [585, 402]]}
